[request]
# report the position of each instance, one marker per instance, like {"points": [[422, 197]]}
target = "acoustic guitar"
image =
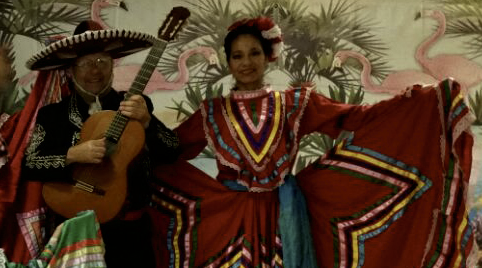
{"points": [[103, 187]]}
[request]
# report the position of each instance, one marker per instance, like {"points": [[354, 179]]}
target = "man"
{"points": [[54, 146]]}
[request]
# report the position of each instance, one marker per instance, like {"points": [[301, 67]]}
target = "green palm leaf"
{"points": [[206, 26], [463, 21], [39, 19], [336, 26], [12, 98], [35, 19], [209, 21], [476, 106], [316, 144], [281, 11], [460, 28], [195, 96]]}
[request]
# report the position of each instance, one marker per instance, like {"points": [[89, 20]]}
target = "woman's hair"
{"points": [[263, 29], [244, 30]]}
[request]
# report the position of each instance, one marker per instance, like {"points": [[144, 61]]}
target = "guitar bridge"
{"points": [[82, 185]]}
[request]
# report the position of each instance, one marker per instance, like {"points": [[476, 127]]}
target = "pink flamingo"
{"points": [[124, 75], [393, 83], [98, 5], [466, 72], [27, 79], [95, 14]]}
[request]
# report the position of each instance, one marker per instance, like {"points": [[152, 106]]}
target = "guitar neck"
{"points": [[147, 68], [119, 122]]}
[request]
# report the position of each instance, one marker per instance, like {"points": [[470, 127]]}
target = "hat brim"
{"points": [[118, 43]]}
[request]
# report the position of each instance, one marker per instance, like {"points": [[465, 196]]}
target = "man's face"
{"points": [[93, 71]]}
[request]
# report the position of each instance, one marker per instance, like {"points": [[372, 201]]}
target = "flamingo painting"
{"points": [[95, 14], [98, 5], [124, 75], [393, 83], [441, 66]]}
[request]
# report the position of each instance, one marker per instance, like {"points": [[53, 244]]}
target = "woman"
{"points": [[254, 214]]}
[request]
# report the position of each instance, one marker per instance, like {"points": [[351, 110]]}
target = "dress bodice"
{"points": [[253, 134]]}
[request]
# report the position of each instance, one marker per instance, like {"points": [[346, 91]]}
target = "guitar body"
{"points": [[110, 176], [103, 187]]}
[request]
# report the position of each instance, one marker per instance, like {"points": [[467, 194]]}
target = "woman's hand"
{"points": [[90, 152], [136, 108]]}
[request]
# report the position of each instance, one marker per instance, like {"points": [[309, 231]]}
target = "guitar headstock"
{"points": [[173, 23]]}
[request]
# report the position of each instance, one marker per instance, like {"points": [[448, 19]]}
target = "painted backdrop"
{"points": [[356, 51]]}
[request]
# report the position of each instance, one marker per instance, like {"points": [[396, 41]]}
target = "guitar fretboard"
{"points": [[119, 122]]}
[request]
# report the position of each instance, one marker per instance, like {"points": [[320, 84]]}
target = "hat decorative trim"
{"points": [[63, 51]]}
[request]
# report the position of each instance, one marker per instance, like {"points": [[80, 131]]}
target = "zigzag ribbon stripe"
{"points": [[272, 133], [238, 254], [184, 215], [407, 184]]}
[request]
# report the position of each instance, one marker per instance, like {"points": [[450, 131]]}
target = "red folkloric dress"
{"points": [[393, 194]]}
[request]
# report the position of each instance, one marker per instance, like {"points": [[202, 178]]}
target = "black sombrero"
{"points": [[89, 37]]}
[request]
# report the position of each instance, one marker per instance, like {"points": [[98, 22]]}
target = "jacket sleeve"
{"points": [[45, 155], [162, 143]]}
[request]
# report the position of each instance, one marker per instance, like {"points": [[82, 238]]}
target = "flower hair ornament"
{"points": [[269, 30]]}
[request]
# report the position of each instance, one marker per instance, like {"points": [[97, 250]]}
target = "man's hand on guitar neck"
{"points": [[89, 152], [136, 108]]}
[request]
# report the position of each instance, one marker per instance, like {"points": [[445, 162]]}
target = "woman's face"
{"points": [[93, 71], [247, 62]]}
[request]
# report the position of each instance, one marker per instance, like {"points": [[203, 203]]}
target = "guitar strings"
{"points": [[119, 121]]}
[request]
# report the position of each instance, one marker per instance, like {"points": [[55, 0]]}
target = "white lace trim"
{"points": [[31, 153], [236, 167], [296, 125], [244, 94], [221, 159], [435, 214], [3, 118], [442, 122], [3, 258], [267, 158]]}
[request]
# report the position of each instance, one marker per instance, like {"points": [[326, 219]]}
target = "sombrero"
{"points": [[89, 37]]}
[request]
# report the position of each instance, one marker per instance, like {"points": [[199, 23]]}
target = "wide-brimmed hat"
{"points": [[89, 37]]}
